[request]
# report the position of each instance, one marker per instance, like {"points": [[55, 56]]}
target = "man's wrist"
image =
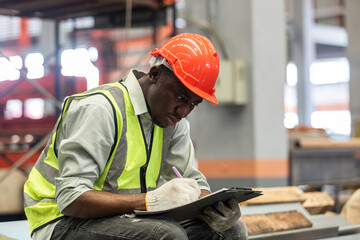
{"points": [[204, 193]]}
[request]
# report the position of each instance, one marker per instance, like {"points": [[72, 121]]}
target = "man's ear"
{"points": [[154, 74]]}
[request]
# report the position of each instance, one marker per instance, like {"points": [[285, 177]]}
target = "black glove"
{"points": [[221, 216]]}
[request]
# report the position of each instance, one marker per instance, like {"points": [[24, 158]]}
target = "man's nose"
{"points": [[184, 110]]}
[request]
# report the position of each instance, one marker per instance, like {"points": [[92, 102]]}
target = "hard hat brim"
{"points": [[197, 91]]}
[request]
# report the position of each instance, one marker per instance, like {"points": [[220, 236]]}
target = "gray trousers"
{"points": [[144, 228]]}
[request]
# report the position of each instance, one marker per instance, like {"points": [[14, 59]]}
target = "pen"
{"points": [[176, 172]]}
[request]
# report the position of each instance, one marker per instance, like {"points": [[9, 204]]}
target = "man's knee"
{"points": [[170, 230], [238, 231], [243, 229]]}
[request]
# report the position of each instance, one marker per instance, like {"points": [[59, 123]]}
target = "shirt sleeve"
{"points": [[181, 154], [84, 145]]}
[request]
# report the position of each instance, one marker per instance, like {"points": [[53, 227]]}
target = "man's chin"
{"points": [[161, 124], [166, 123]]}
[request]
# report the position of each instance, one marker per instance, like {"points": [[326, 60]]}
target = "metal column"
{"points": [[304, 54], [57, 86]]}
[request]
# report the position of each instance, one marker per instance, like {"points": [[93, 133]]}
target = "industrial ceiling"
{"points": [[65, 9]]}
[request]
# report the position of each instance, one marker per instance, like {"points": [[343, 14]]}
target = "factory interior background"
{"points": [[289, 105]]}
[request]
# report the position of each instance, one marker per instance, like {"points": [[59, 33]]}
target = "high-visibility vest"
{"points": [[131, 167]]}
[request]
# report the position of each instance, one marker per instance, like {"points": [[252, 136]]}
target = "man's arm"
{"points": [[96, 204], [84, 145], [85, 142]]}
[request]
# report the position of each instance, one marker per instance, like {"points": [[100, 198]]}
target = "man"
{"points": [[111, 145]]}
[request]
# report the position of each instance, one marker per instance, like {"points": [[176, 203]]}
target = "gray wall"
{"points": [[224, 131], [252, 30], [353, 54]]}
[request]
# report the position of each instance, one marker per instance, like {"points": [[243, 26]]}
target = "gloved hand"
{"points": [[174, 193], [221, 217]]}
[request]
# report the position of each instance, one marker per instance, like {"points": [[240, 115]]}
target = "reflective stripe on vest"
{"points": [[120, 176]]}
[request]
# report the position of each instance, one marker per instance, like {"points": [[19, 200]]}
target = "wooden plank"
{"points": [[328, 143], [318, 202], [277, 195], [275, 222]]}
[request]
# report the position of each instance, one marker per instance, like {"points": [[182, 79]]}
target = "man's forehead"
{"points": [[180, 86], [188, 92]]}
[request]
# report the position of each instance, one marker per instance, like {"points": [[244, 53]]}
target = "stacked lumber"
{"points": [[275, 222], [313, 202]]}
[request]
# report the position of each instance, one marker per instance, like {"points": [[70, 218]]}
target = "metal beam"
{"points": [[304, 54], [58, 93]]}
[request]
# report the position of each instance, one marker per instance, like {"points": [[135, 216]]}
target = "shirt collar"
{"points": [[135, 92]]}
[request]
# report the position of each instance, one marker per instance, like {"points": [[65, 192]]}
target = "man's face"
{"points": [[169, 100]]}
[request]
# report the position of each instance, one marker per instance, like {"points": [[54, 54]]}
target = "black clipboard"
{"points": [[193, 209]]}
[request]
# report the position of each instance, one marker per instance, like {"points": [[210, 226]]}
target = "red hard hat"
{"points": [[194, 61]]}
